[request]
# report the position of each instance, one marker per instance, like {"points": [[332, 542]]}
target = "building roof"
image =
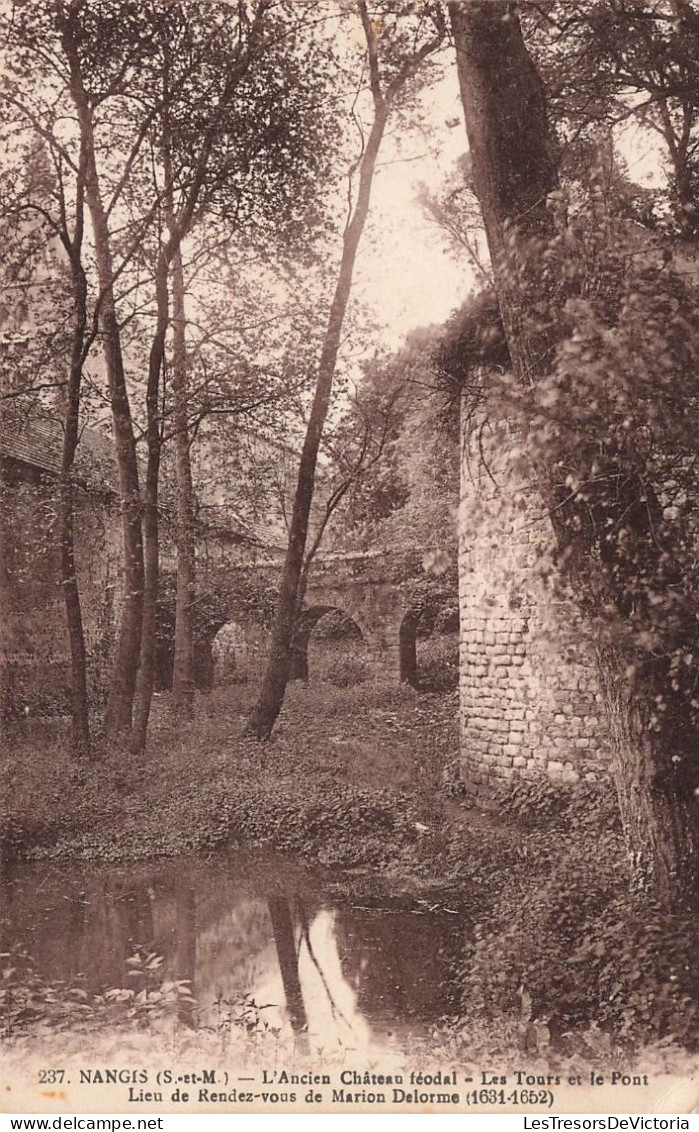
{"points": [[37, 440], [34, 437]]}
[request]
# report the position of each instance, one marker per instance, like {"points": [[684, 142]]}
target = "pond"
{"points": [[332, 971]]}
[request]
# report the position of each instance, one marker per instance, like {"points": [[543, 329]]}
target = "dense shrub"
{"points": [[535, 801], [347, 671], [438, 662], [344, 665], [567, 942], [337, 626], [31, 1002]]}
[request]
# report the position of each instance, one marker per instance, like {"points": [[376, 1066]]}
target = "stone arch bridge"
{"points": [[383, 593]]}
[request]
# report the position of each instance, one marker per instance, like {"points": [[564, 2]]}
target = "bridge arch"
{"points": [[348, 627], [235, 651], [216, 610], [165, 651], [428, 645], [389, 615]]}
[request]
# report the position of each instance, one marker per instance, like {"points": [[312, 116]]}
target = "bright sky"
{"points": [[405, 271]]}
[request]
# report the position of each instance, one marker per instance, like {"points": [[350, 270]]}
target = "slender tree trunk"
{"points": [[170, 255], [183, 667], [171, 249], [513, 173], [118, 714], [269, 704], [151, 534], [178, 226], [123, 684], [298, 651], [271, 698], [80, 711]]}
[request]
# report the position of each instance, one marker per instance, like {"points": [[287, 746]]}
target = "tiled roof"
{"points": [[37, 440]]}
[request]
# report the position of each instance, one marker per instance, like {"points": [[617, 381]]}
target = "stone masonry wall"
{"points": [[529, 701]]}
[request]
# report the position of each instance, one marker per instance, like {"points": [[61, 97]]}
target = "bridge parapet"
{"points": [[377, 566], [382, 591]]}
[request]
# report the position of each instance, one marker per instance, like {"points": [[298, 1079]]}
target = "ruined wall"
{"points": [[529, 702]]}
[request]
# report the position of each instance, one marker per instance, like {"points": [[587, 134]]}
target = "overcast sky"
{"points": [[405, 271]]}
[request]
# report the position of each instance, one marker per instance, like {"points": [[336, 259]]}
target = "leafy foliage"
{"points": [[331, 757], [30, 1003], [615, 419], [405, 499], [438, 662], [609, 66], [580, 948], [346, 671]]}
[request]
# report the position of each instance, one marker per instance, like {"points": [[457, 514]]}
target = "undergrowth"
{"points": [[345, 778], [566, 939]]}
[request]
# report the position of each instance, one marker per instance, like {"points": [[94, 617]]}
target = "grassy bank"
{"points": [[344, 781]]}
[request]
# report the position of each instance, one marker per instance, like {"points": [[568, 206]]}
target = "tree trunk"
{"points": [[80, 711], [146, 672], [513, 172], [151, 543], [169, 253], [123, 684], [511, 152], [121, 693], [183, 667], [269, 704]]}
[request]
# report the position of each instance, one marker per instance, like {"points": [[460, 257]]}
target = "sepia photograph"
{"points": [[349, 558]]}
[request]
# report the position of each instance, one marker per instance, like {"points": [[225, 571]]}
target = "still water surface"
{"points": [[346, 975]]}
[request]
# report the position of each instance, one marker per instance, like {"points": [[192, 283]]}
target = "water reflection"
{"points": [[333, 973]]}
